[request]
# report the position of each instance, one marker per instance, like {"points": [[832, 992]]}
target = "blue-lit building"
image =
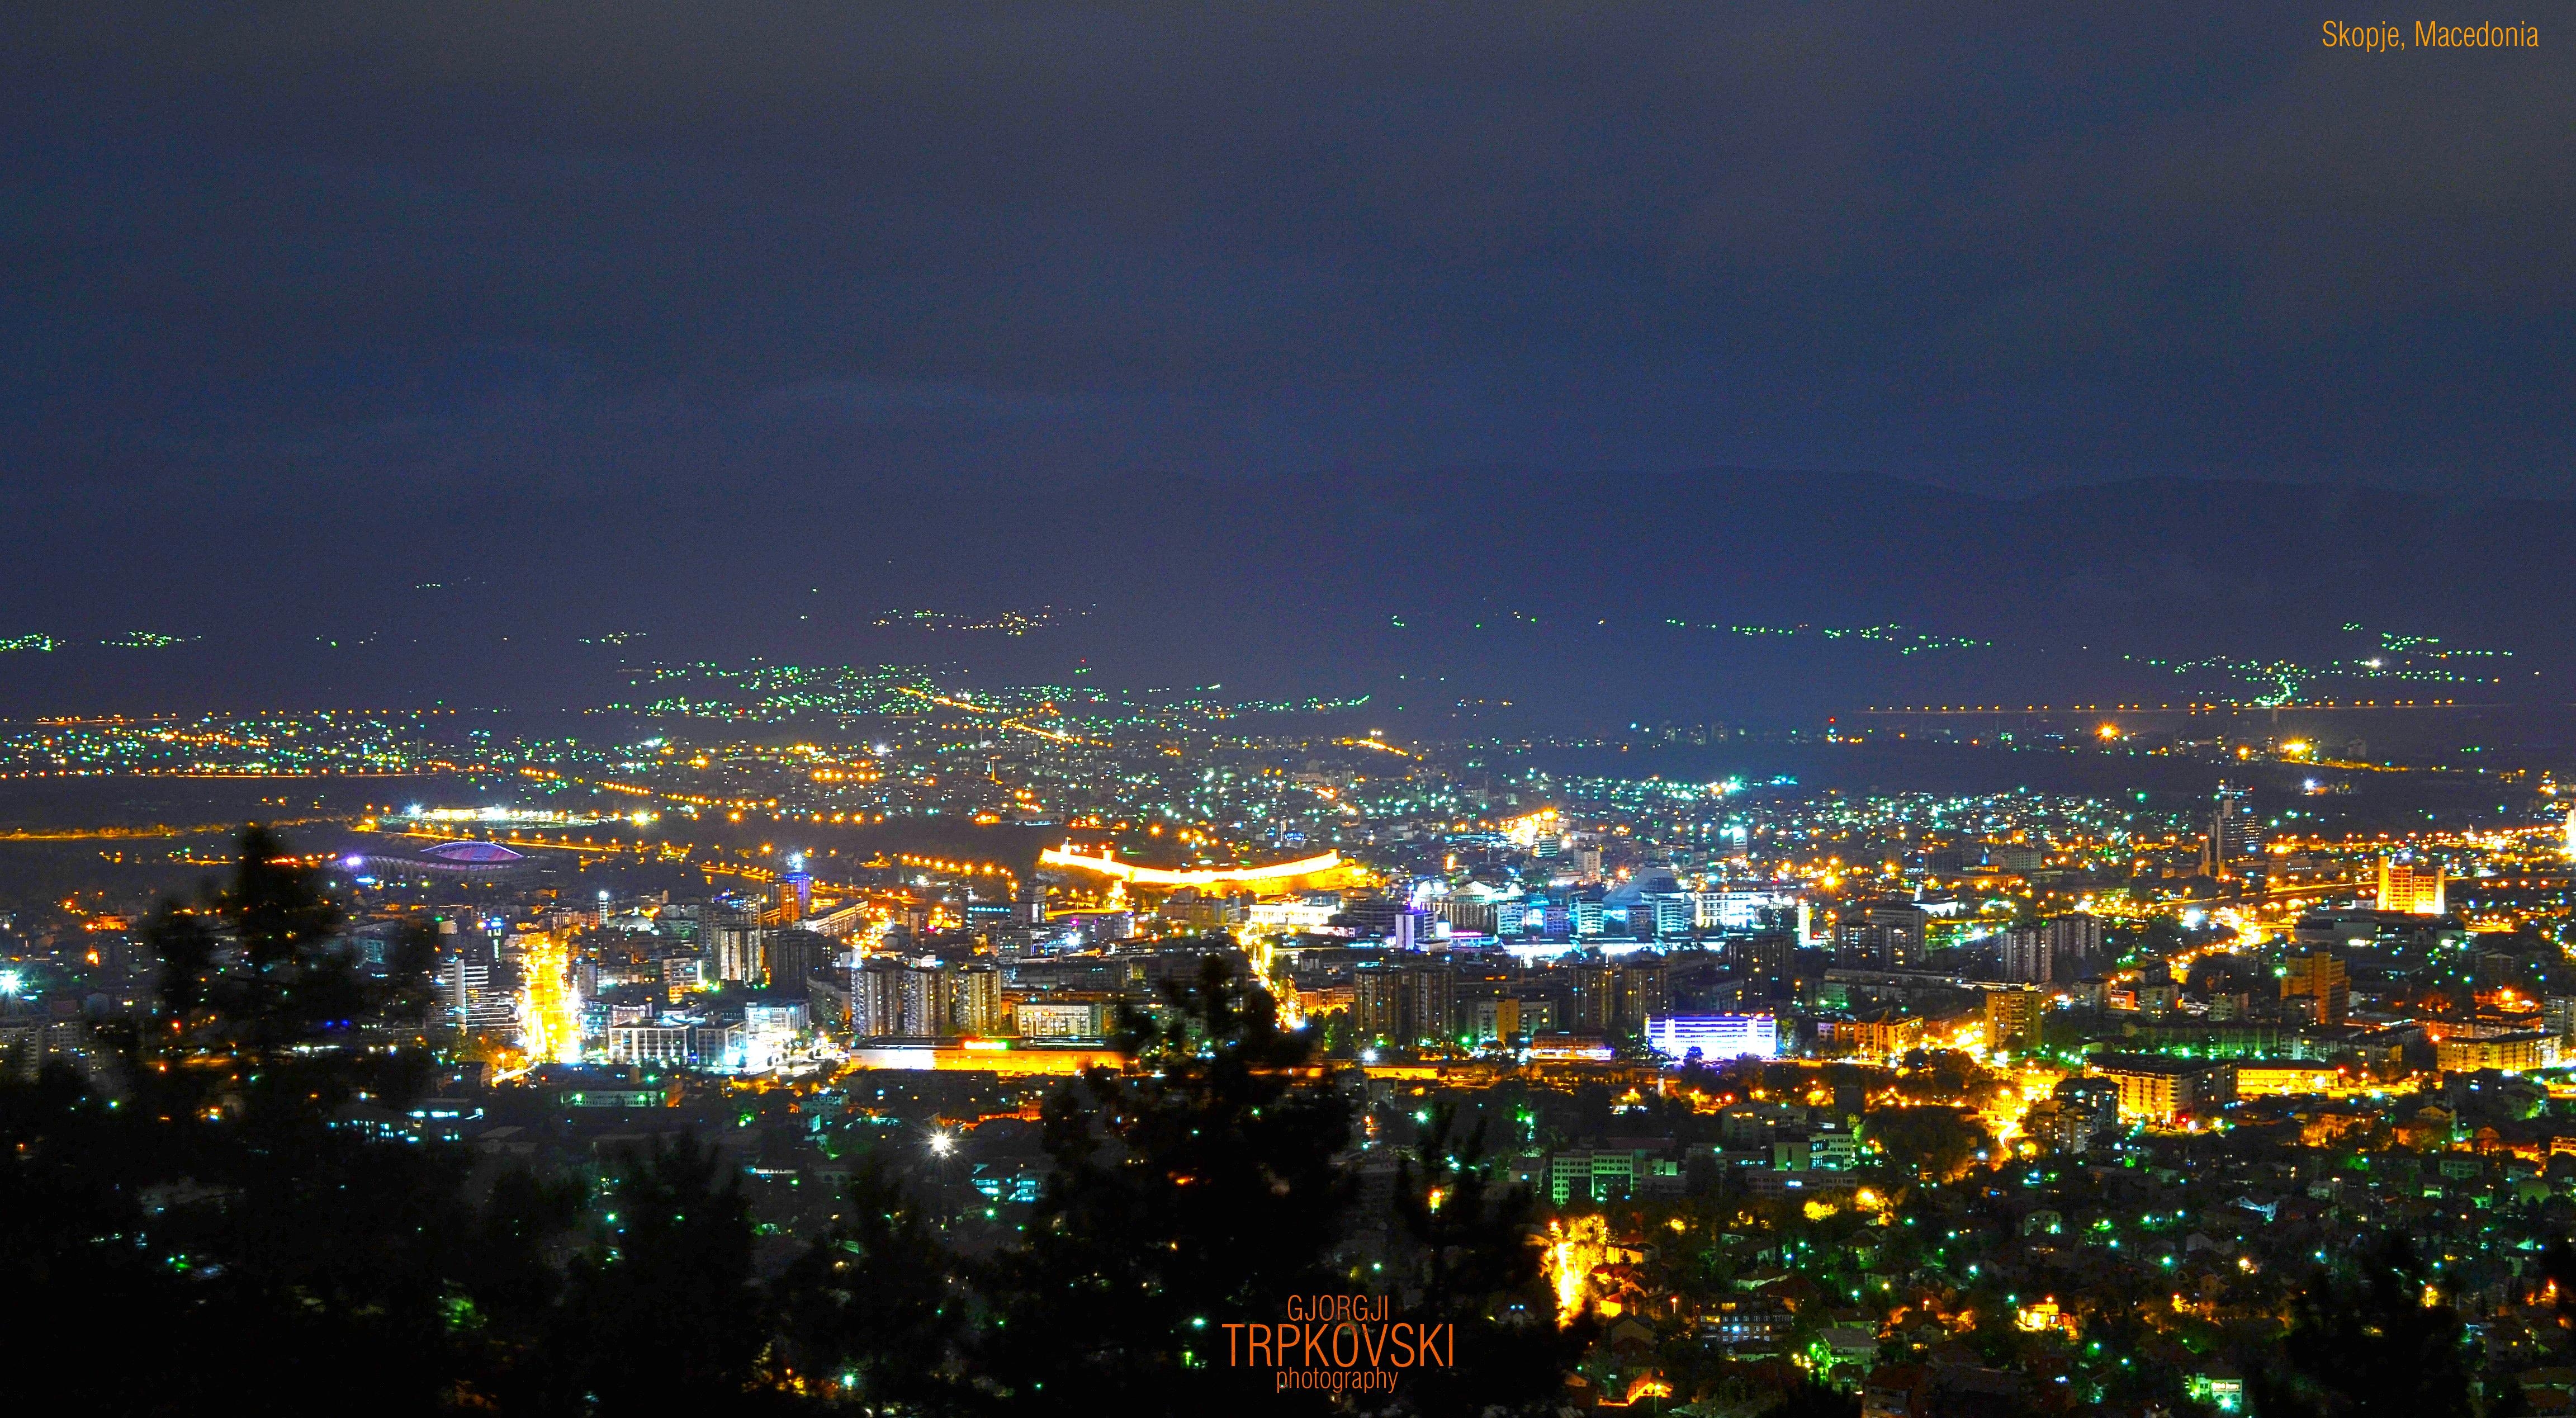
{"points": [[1714, 1036]]}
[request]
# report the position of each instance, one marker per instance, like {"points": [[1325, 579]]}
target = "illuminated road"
{"points": [[550, 1012], [2206, 707], [1050, 735], [118, 834]]}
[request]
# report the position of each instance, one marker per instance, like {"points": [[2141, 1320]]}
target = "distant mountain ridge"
{"points": [[1495, 583]]}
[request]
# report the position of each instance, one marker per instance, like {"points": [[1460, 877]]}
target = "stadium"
{"points": [[462, 859]]}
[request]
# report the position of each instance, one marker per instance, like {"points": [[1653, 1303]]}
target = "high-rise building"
{"points": [[2091, 1108], [2158, 1087], [728, 941], [2235, 834], [1405, 1004], [734, 948], [2558, 1012], [477, 996], [2059, 948], [1500, 1017], [1377, 1003], [1644, 991], [876, 997], [795, 897], [1769, 962], [1887, 933], [1603, 998], [2318, 979], [1663, 915], [2026, 954], [1884, 1035], [898, 998], [1592, 998], [795, 956], [974, 999], [926, 992], [2415, 888], [2075, 944]]}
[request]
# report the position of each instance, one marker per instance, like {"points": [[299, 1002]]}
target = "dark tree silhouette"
{"points": [[1933, 1141], [1475, 1262], [2363, 1343], [1199, 1191], [227, 1193], [504, 1288], [663, 1316], [877, 1309], [260, 965], [76, 1172], [1810, 1399], [251, 1235]]}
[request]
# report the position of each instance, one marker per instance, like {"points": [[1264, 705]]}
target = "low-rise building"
{"points": [[2160, 1088]]}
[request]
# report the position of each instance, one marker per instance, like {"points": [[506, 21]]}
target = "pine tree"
{"points": [[876, 1309], [261, 1245], [663, 1316], [1475, 1263], [1197, 1191], [2369, 1340]]}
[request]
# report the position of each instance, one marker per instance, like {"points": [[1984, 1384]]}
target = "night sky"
{"points": [[436, 324]]}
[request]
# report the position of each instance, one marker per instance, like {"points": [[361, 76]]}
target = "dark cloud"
{"points": [[631, 264]]}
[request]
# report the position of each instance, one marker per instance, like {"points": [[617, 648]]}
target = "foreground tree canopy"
{"points": [[195, 1226], [190, 1231]]}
